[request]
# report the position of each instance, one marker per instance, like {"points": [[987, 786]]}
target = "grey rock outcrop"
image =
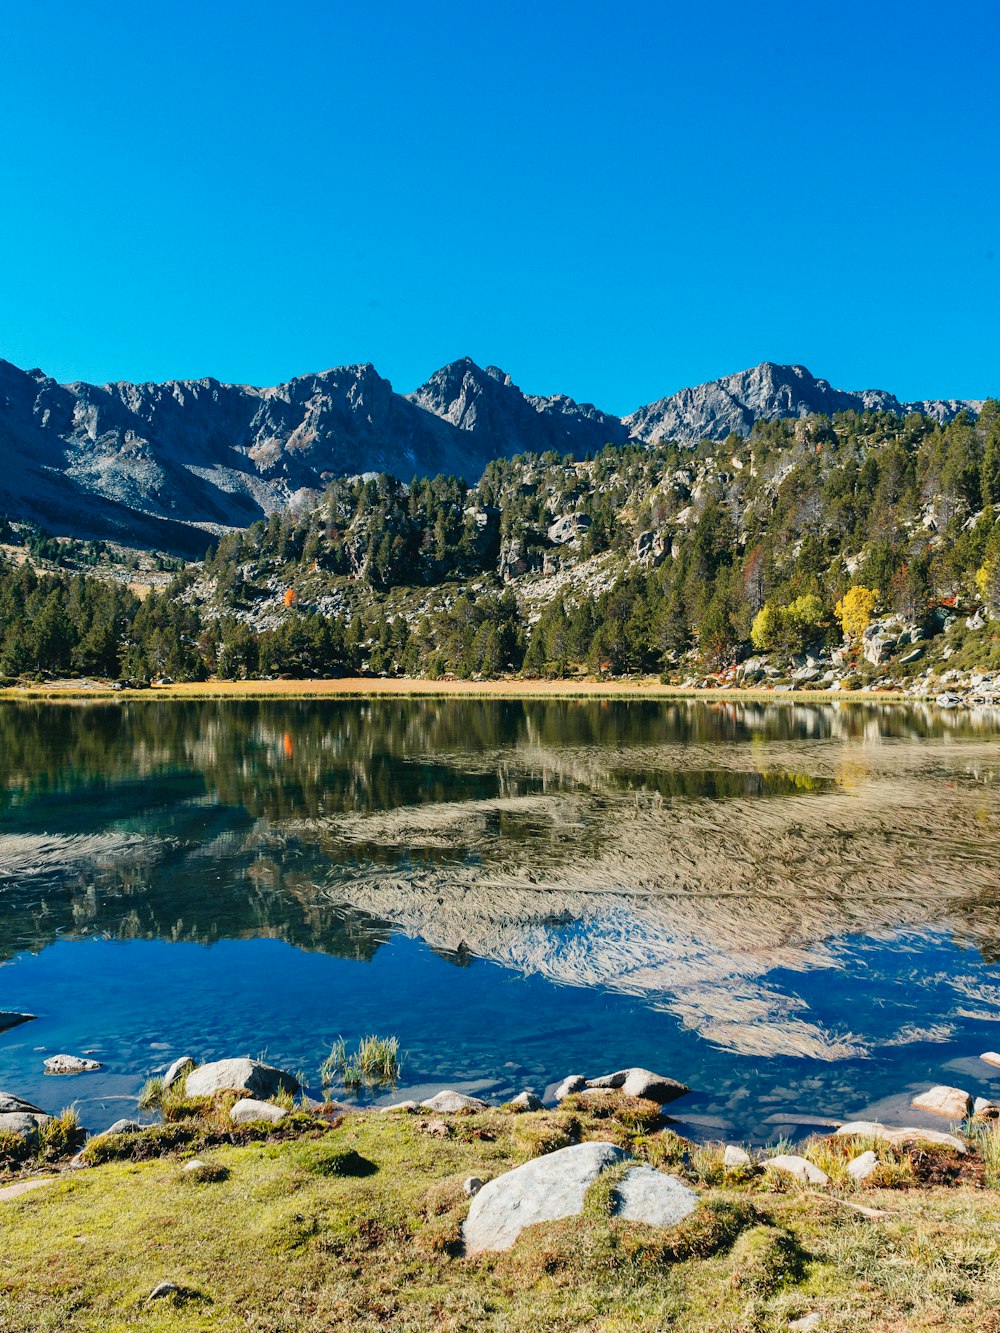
{"points": [[646, 1195], [525, 1101], [542, 1190], [900, 1135], [953, 1103], [240, 1075], [572, 1083]]}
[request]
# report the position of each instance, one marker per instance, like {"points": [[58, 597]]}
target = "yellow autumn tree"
{"points": [[855, 610]]}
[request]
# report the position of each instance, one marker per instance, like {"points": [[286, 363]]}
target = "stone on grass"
{"points": [[248, 1110], [525, 1101], [991, 1058], [437, 1128], [542, 1190], [574, 1083], [734, 1156], [163, 1289], [193, 1165], [636, 1082], [953, 1103], [400, 1106], [176, 1071], [647, 1195], [239, 1075], [860, 1168], [808, 1323], [899, 1136], [124, 1127], [798, 1167], [70, 1064], [453, 1101], [472, 1185], [22, 1124]]}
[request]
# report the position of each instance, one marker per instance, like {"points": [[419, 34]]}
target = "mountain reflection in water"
{"points": [[697, 856]]}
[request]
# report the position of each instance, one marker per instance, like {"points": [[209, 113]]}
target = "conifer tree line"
{"points": [[714, 553]]}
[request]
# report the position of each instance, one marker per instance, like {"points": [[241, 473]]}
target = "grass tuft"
{"points": [[376, 1063]]}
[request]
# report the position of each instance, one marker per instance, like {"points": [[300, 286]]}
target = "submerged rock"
{"points": [[248, 1110], [636, 1082], [448, 1100], [542, 1190], [954, 1103], [70, 1064], [239, 1075]]}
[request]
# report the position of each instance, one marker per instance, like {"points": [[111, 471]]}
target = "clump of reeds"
{"points": [[375, 1063]]}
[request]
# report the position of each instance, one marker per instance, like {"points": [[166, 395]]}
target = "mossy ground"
{"points": [[355, 1226]]}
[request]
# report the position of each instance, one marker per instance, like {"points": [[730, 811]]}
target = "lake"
{"points": [[793, 908]]}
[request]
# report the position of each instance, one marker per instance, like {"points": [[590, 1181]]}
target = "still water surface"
{"points": [[795, 909]]}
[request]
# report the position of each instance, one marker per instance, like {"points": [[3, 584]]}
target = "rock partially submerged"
{"points": [[449, 1100], [636, 1082], [71, 1064], [952, 1103], [240, 1075], [899, 1136], [249, 1110]]}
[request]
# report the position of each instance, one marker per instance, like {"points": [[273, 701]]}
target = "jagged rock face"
{"points": [[160, 464], [487, 402], [768, 392]]}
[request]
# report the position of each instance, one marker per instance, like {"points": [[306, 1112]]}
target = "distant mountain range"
{"points": [[160, 465]]}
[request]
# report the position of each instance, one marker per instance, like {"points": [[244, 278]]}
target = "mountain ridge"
{"points": [[164, 464]]}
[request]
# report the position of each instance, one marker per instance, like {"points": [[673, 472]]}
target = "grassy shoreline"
{"points": [[355, 1222], [403, 687]]}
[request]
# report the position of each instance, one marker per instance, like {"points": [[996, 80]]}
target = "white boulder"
{"points": [[636, 1082], [953, 1103], [239, 1075], [453, 1101], [248, 1110], [798, 1167]]}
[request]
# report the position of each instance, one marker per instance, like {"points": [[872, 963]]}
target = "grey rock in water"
{"points": [[239, 1075], [177, 1070], [860, 1168], [573, 1083], [647, 1195], [248, 1110], [70, 1064], [448, 1100], [800, 1168], [637, 1082], [954, 1103], [525, 1101], [542, 1190]]}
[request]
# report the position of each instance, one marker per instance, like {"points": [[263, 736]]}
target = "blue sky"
{"points": [[608, 200]]}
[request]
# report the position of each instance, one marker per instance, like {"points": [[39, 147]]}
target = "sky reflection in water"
{"points": [[795, 909]]}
